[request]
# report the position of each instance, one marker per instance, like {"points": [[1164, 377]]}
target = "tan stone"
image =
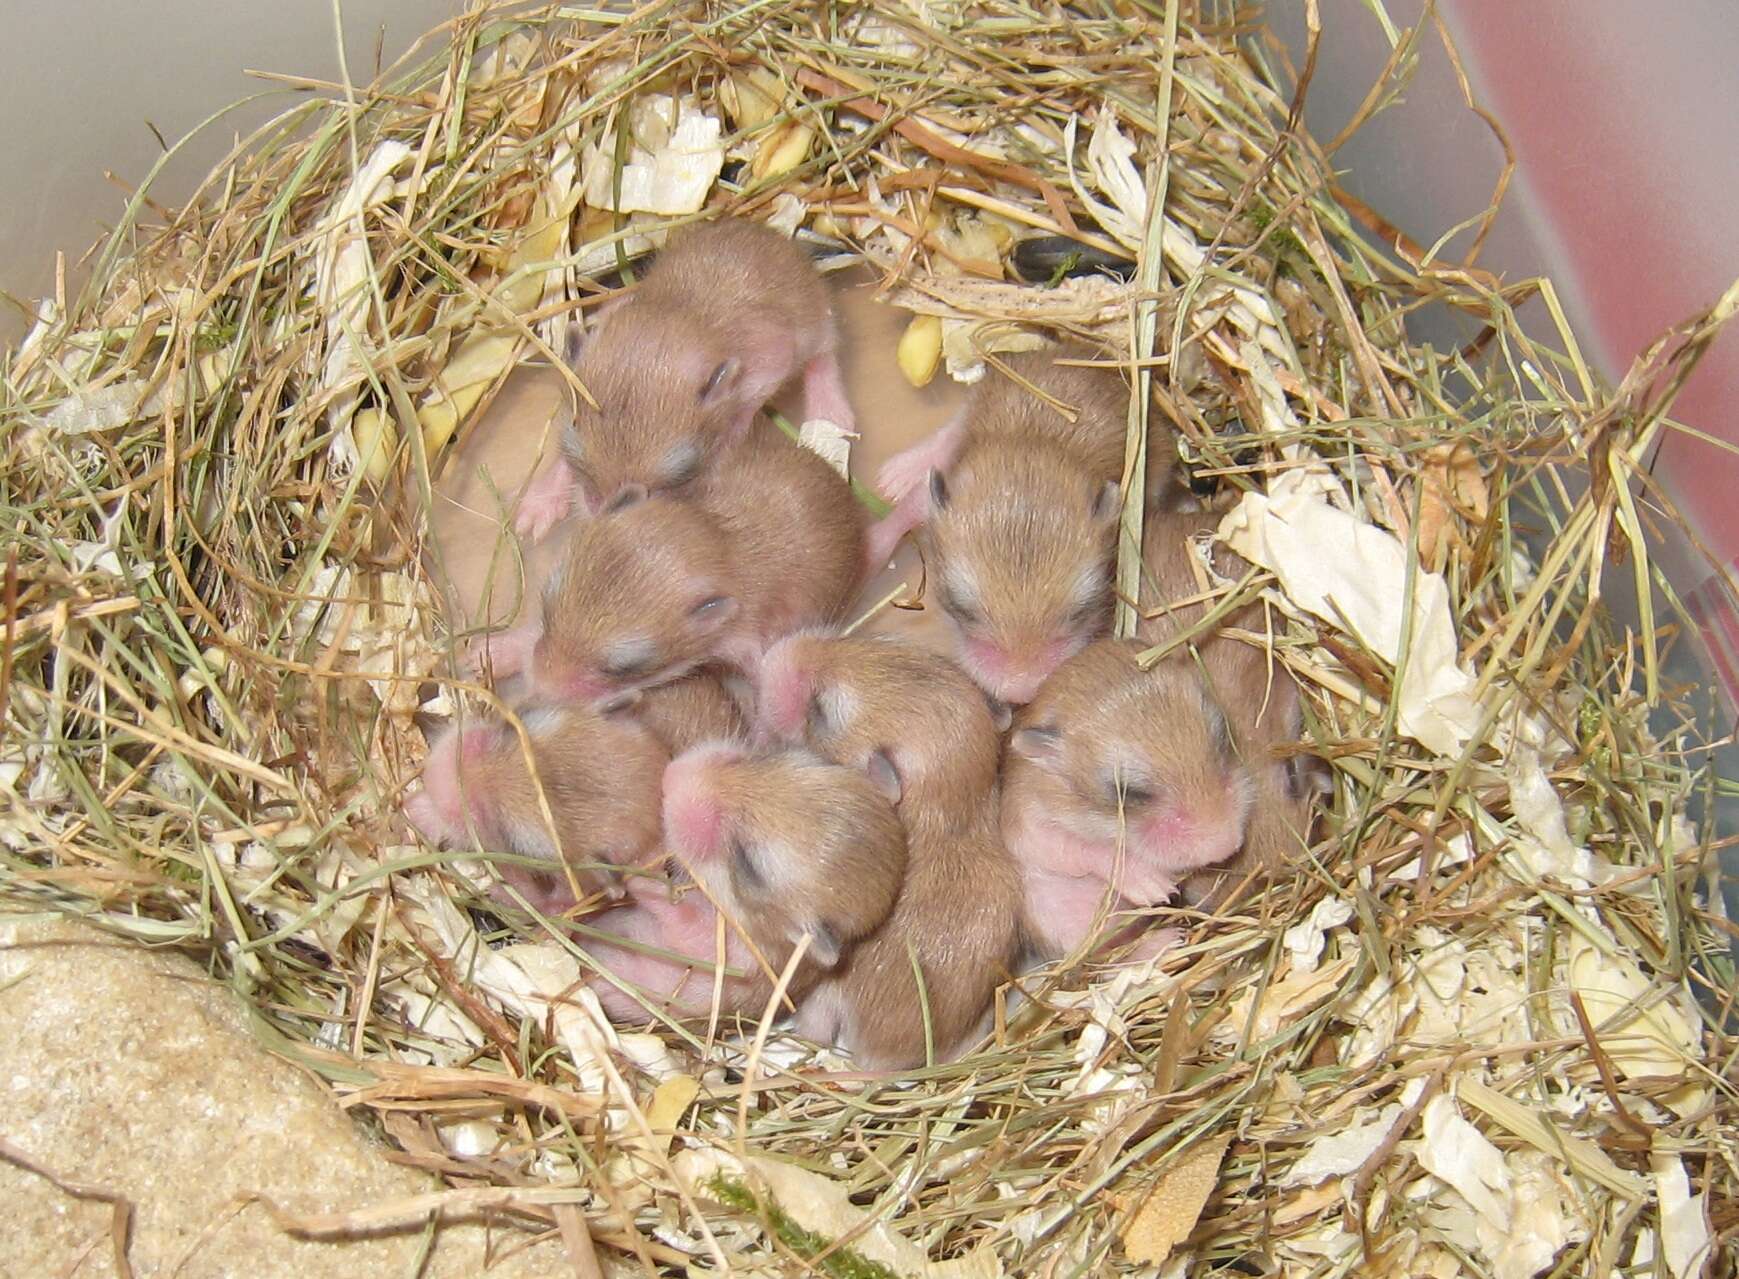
{"points": [[128, 1070]]}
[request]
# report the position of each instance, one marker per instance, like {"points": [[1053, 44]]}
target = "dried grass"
{"points": [[217, 633]]}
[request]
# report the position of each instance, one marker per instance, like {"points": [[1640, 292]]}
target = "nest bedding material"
{"points": [[1484, 1029]]}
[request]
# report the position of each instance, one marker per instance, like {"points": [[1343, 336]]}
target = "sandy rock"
{"points": [[127, 1070]]}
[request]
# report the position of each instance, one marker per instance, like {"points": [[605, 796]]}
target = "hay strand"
{"points": [[1493, 991]]}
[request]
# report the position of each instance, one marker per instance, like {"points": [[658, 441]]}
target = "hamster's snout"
{"points": [[552, 677], [693, 816], [1210, 842], [1202, 832], [424, 815], [475, 741], [1010, 675], [782, 695]]}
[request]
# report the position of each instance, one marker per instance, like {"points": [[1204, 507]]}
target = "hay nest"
{"points": [[1480, 1030]]}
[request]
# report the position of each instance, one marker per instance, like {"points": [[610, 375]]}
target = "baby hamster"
{"points": [[789, 846], [680, 981], [600, 777], [959, 915], [648, 592], [1260, 698], [870, 703], [1118, 783], [686, 712], [1019, 508], [729, 312], [848, 697], [1263, 708]]}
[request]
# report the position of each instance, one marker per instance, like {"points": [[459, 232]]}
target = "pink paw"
{"points": [[1144, 886], [824, 392], [1154, 944], [546, 501], [906, 475], [538, 513], [503, 655], [880, 542], [903, 473]]}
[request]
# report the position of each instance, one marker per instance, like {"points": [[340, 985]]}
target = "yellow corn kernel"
{"points": [[752, 98], [920, 349], [782, 151], [377, 443]]}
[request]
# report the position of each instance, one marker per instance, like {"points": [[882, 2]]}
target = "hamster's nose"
{"points": [[421, 813], [1018, 687], [690, 810], [1201, 835], [565, 683]]}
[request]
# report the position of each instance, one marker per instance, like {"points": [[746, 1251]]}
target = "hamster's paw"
{"points": [[538, 513]]}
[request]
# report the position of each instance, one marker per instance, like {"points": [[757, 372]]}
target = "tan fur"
{"points": [[958, 914], [718, 291], [1004, 410], [1119, 783], [1107, 710], [1167, 574], [774, 529], [689, 711], [794, 528], [1260, 698], [1026, 527], [1020, 528], [829, 851], [866, 694], [959, 907], [599, 775]]}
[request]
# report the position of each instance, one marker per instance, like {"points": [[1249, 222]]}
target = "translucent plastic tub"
{"points": [[1623, 182]]}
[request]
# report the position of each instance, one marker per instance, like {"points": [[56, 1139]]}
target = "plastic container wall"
{"points": [[88, 87], [1626, 175]]}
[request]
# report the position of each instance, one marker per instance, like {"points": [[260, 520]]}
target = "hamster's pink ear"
{"points": [[1308, 775], [884, 776], [713, 612], [938, 491], [721, 381], [1042, 745], [824, 944], [576, 342], [1108, 504], [581, 333]]}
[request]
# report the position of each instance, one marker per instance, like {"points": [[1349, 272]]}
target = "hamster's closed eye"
{"points": [[1128, 790], [1137, 796], [680, 465], [1218, 729], [630, 659], [712, 612], [954, 602], [1087, 612], [625, 497], [629, 669], [745, 870], [720, 381]]}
